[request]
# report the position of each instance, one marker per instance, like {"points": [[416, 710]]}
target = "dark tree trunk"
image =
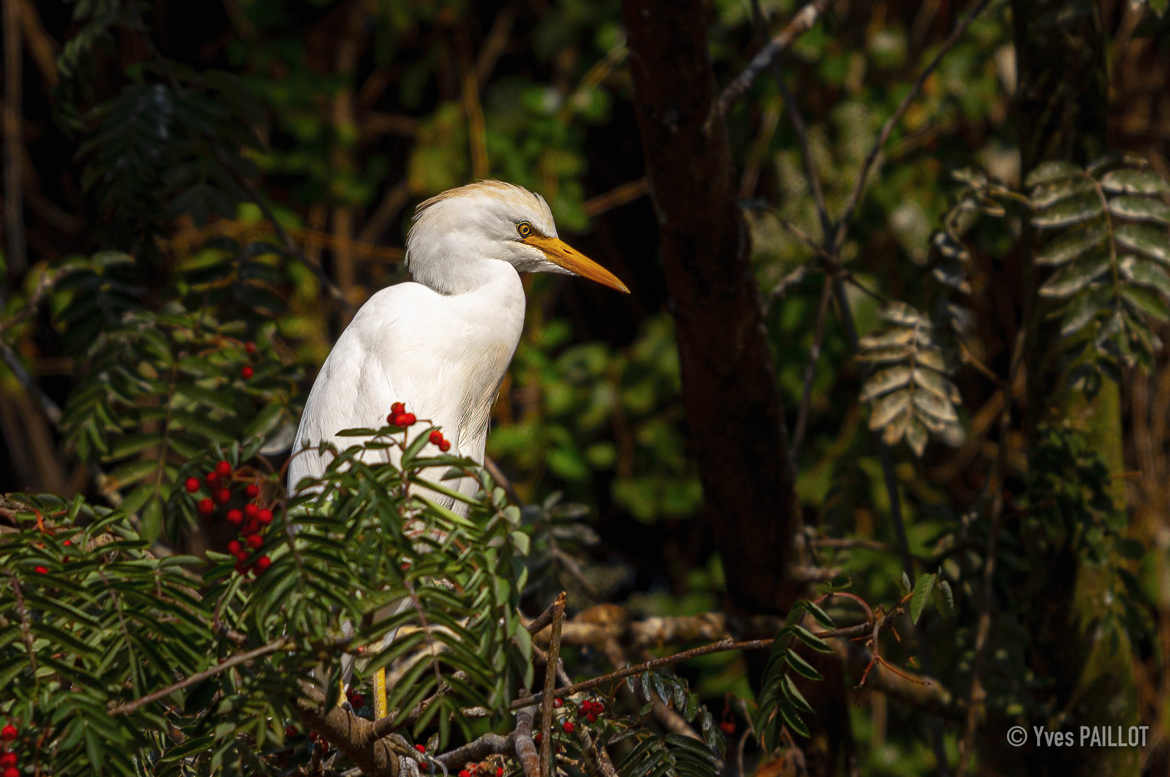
{"points": [[729, 384], [1062, 108]]}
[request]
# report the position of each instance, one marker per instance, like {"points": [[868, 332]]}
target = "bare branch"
{"points": [[800, 24], [810, 369], [584, 685], [48, 406], [198, 677], [895, 117], [525, 748], [550, 682]]}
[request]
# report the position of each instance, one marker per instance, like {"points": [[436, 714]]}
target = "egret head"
{"points": [[491, 220]]}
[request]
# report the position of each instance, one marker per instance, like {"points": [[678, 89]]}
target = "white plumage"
{"points": [[442, 343]]}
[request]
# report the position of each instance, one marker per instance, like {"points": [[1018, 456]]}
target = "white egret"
{"points": [[442, 343]]}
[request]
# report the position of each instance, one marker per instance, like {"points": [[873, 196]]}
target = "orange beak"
{"points": [[561, 253]]}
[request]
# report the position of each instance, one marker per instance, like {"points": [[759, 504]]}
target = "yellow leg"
{"points": [[341, 697], [380, 701]]}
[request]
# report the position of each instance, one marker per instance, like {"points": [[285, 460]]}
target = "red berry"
{"points": [[246, 372], [234, 547], [40, 570], [254, 541], [252, 490], [420, 748], [356, 699], [591, 718], [568, 726], [206, 506], [8, 759], [436, 437], [241, 567], [252, 511], [396, 419], [558, 702], [212, 478], [265, 516], [728, 727], [397, 408], [499, 771], [445, 446], [12, 771], [223, 467], [241, 556], [192, 485], [235, 516], [8, 733], [464, 773], [262, 564], [408, 419], [223, 496], [251, 527], [250, 347]]}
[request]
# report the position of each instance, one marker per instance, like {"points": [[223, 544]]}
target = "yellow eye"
{"points": [[524, 228]]}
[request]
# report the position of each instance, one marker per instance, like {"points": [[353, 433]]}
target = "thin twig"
{"points": [[715, 647], [983, 629], [616, 197], [810, 369], [800, 23], [240, 658], [895, 117], [290, 247], [48, 406], [550, 682], [810, 168], [477, 750], [13, 142]]}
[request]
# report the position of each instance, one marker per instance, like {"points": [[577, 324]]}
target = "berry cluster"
{"points": [[8, 759], [481, 769], [251, 519], [399, 417], [590, 710], [246, 372]]}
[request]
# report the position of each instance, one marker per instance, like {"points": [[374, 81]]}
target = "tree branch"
{"points": [[198, 677], [800, 24], [550, 682]]}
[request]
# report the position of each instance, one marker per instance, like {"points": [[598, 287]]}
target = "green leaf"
{"points": [[800, 666], [1144, 272], [1080, 209], [1047, 195], [1071, 244], [1140, 209], [888, 408], [946, 598], [810, 639], [1147, 240], [1074, 277], [1081, 310], [1144, 301], [923, 587], [1049, 172], [1129, 181], [884, 381], [132, 472]]}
